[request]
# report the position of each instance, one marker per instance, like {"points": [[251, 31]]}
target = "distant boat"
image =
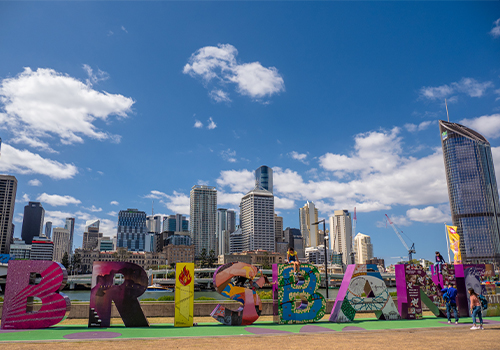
{"points": [[158, 288]]}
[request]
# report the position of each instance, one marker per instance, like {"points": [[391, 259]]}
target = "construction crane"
{"points": [[410, 250]]}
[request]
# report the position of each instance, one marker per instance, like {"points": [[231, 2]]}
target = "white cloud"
{"points": [[487, 125], [237, 180], [229, 155], [114, 203], [211, 124], [219, 65], [283, 203], [301, 157], [229, 198], [94, 78], [35, 182], [400, 220], [496, 29], [26, 198], [422, 126], [219, 96], [198, 124], [58, 218], [57, 200], [93, 209], [178, 202], [113, 213], [14, 160], [468, 86], [430, 214], [22, 138], [44, 103], [125, 30]]}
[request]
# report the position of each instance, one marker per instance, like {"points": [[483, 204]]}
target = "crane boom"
{"points": [[410, 250]]}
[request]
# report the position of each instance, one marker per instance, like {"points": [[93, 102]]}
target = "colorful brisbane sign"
{"points": [[294, 300]]}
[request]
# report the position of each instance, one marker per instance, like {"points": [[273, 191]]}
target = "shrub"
{"points": [[166, 298], [1, 299], [393, 294], [265, 294], [205, 298], [148, 299]]}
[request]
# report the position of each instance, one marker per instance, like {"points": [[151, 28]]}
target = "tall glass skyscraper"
{"points": [[473, 192], [8, 188], [264, 176], [132, 230], [32, 221], [203, 216]]}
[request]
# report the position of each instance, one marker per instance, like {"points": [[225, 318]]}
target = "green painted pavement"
{"points": [[215, 329]]}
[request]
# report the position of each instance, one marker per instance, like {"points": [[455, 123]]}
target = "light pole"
{"points": [[326, 254]]}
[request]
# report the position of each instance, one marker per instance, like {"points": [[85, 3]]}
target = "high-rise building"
{"points": [[226, 224], [132, 230], [8, 188], [203, 217], [308, 215], [70, 226], [257, 220], [154, 223], [295, 240], [264, 177], [20, 250], [91, 236], [175, 223], [341, 234], [106, 244], [278, 228], [236, 241], [48, 229], [316, 255], [61, 239], [41, 248], [32, 222], [363, 248], [473, 192]]}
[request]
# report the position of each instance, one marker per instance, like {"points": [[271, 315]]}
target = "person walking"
{"points": [[475, 309], [450, 296]]}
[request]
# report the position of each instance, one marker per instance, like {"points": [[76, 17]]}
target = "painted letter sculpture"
{"points": [[363, 289], [229, 281], [34, 279], [135, 282], [287, 292]]}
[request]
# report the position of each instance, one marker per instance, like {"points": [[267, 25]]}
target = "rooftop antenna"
{"points": [[446, 104]]}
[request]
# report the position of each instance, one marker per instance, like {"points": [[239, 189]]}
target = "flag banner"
{"points": [[454, 243], [184, 294]]}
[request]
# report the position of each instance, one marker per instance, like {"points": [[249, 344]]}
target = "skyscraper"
{"points": [[70, 226], [341, 234], [132, 230], [91, 236], [176, 223], [48, 229], [61, 239], [473, 192], [308, 215], [32, 221], [278, 228], [363, 248], [257, 220], [203, 216], [8, 188], [264, 176], [154, 223], [226, 224]]}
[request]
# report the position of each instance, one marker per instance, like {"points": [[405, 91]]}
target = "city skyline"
{"points": [[345, 110]]}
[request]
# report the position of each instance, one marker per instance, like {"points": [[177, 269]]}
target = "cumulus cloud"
{"points": [[219, 66], [18, 161], [177, 202], [57, 200], [467, 86], [26, 198], [198, 124], [301, 157], [35, 182], [114, 203], [495, 31], [422, 126], [283, 203], [112, 213], [211, 124], [487, 125], [430, 214], [237, 180], [45, 103], [229, 155], [93, 208]]}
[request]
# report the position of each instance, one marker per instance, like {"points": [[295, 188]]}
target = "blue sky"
{"points": [[108, 105]]}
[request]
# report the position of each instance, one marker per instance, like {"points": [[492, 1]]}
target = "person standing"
{"points": [[439, 261], [450, 296], [475, 309]]}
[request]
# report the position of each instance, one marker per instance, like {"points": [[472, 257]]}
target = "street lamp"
{"points": [[326, 254]]}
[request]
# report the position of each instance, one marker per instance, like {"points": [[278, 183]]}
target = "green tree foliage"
{"points": [[65, 260], [76, 262], [203, 258], [212, 259]]}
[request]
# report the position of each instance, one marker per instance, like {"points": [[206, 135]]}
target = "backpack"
{"points": [[483, 301]]}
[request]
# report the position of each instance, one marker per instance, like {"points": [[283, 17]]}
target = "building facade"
{"points": [[70, 226], [8, 189], [257, 257], [257, 220], [278, 228], [132, 230], [143, 259], [48, 229], [32, 221], [264, 177], [363, 248], [91, 236], [176, 223], [236, 241], [226, 224], [20, 250], [203, 216], [179, 253], [61, 239], [106, 244], [154, 223], [294, 238], [473, 192], [308, 215], [316, 255], [42, 248], [341, 234]]}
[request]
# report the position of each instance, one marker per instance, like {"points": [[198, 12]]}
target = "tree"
{"points": [[211, 259], [203, 258], [65, 260], [76, 261]]}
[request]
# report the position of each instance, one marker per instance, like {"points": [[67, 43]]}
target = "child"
{"points": [[439, 261], [475, 309], [292, 258]]}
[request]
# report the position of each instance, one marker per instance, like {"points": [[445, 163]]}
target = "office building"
{"points": [[61, 239], [261, 258], [341, 234], [472, 191], [179, 253], [32, 221], [257, 220], [178, 238], [379, 262], [264, 177], [91, 236], [236, 241], [42, 248], [20, 250], [132, 230], [316, 255], [278, 228], [70, 226], [175, 223], [146, 260], [363, 248], [203, 216], [308, 215], [48, 229], [8, 188], [154, 223], [106, 244], [226, 224], [294, 238]]}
